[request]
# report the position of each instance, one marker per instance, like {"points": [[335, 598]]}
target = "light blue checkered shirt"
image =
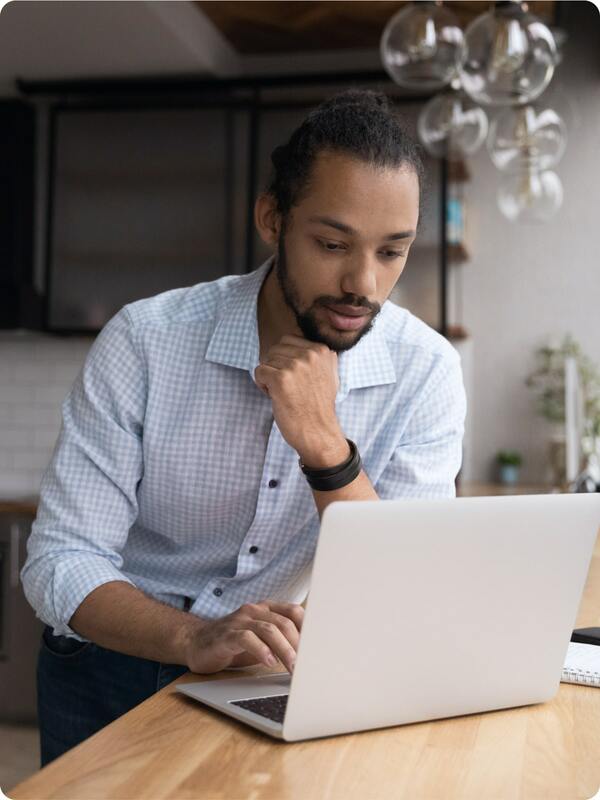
{"points": [[164, 471]]}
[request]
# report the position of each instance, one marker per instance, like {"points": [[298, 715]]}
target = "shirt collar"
{"points": [[235, 340], [369, 362]]}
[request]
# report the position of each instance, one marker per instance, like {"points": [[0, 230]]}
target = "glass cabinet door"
{"points": [[146, 200], [139, 207]]}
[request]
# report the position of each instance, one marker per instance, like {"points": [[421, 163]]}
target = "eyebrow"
{"points": [[341, 226]]}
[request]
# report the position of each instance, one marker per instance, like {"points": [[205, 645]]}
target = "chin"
{"points": [[316, 331], [341, 340]]}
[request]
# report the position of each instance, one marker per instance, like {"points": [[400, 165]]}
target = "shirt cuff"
{"points": [[74, 578]]}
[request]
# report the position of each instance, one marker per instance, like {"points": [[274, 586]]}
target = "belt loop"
{"points": [[187, 602]]}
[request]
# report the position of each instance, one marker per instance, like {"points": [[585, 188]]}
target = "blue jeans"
{"points": [[82, 687]]}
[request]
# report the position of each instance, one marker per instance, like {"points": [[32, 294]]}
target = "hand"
{"points": [[256, 633], [301, 378]]}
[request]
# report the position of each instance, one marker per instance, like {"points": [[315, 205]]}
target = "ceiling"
{"points": [[276, 26], [45, 40]]}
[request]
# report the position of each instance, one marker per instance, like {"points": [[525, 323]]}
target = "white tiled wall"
{"points": [[36, 372]]}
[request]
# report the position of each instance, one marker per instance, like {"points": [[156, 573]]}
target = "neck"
{"points": [[275, 318]]}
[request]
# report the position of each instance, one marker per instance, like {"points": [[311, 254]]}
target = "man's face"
{"points": [[346, 244]]}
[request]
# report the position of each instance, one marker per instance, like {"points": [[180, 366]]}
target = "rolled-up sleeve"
{"points": [[88, 491], [428, 457]]}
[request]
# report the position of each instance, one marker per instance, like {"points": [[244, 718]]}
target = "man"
{"points": [[211, 425]]}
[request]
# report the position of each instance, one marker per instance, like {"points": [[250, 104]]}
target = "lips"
{"points": [[346, 322], [349, 311]]}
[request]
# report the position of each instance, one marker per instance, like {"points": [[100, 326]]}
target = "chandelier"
{"points": [[501, 64]]}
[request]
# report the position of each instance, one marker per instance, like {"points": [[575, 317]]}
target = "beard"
{"points": [[307, 321]]}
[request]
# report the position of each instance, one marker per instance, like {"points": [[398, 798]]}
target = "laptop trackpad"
{"points": [[282, 680], [259, 686]]}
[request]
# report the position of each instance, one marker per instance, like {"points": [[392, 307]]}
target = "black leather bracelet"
{"points": [[330, 478]]}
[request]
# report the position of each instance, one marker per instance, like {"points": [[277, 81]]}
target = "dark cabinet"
{"points": [[149, 192], [139, 206], [20, 629], [19, 303]]}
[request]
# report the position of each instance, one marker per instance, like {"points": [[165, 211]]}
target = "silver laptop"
{"points": [[423, 609]]}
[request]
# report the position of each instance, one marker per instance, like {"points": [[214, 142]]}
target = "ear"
{"points": [[267, 219]]}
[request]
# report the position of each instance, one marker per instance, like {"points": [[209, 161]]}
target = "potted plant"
{"points": [[509, 463], [549, 380]]}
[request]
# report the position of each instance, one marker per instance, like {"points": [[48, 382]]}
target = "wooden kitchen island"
{"points": [[172, 747]]}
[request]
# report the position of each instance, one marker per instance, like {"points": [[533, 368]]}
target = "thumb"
{"points": [[262, 386], [244, 659]]}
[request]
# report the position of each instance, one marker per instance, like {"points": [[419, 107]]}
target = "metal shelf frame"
{"points": [[242, 93]]}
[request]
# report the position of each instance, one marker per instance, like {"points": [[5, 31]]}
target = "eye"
{"points": [[330, 247], [334, 247], [393, 254]]}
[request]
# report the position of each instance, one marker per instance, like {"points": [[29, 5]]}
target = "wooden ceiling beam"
{"points": [[286, 26]]}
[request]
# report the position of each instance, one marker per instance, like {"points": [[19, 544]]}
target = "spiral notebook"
{"points": [[582, 664]]}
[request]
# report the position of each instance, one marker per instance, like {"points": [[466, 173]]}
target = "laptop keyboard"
{"points": [[272, 707]]}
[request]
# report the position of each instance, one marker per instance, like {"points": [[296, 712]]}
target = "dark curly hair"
{"points": [[359, 122]]}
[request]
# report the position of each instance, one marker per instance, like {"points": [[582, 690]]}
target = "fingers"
{"points": [[279, 361], [287, 628], [244, 659], [262, 373], [276, 624], [301, 342], [259, 382], [247, 641], [293, 353], [289, 351], [269, 633], [256, 633], [287, 616], [292, 611]]}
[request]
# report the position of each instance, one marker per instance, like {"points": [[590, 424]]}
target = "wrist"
{"points": [[328, 479], [184, 638], [326, 452]]}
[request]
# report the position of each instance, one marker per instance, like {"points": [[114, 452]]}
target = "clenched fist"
{"points": [[301, 378]]}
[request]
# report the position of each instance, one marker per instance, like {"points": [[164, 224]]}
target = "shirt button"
{"points": [[254, 549], [273, 483], [218, 592]]}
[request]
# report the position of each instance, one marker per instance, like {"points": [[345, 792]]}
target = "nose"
{"points": [[360, 277]]}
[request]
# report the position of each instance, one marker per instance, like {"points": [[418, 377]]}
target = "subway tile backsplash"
{"points": [[36, 372]]}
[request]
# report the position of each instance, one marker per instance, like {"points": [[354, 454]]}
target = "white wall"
{"points": [[528, 284], [36, 372], [42, 40]]}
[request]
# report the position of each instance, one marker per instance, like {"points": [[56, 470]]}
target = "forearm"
{"points": [[361, 488], [120, 617], [327, 455]]}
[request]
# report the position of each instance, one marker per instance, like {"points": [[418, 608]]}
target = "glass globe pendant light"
{"points": [[450, 125], [530, 196], [508, 56], [526, 137], [420, 46]]}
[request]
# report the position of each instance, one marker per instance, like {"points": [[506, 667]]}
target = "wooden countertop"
{"points": [[25, 506], [174, 748], [475, 489]]}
